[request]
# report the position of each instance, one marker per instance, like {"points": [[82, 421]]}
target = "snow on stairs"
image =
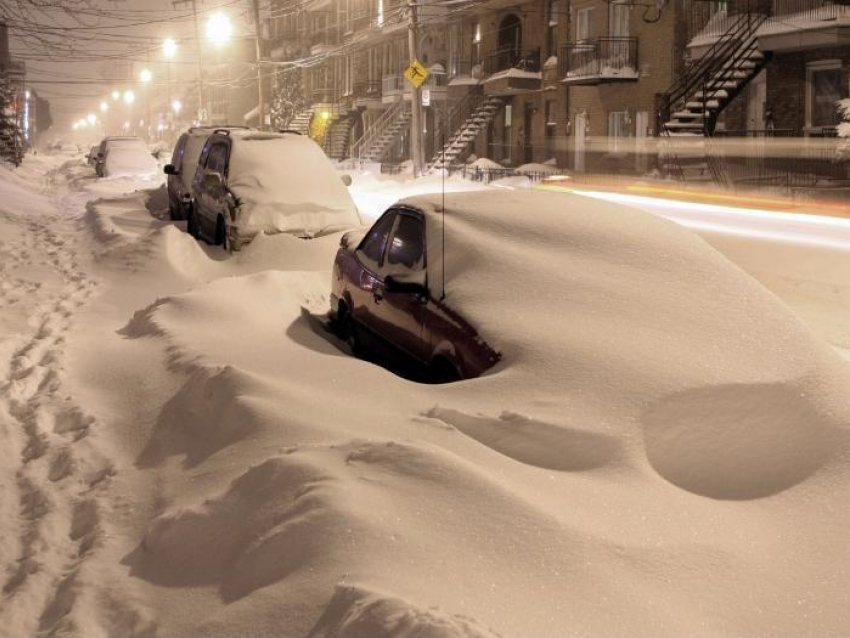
{"points": [[338, 137], [697, 113], [301, 121], [378, 150], [466, 133]]}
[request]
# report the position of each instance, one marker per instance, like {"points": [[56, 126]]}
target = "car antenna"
{"points": [[443, 181]]}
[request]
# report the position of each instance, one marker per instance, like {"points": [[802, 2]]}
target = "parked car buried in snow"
{"points": [[248, 182], [184, 163], [124, 157], [386, 297]]}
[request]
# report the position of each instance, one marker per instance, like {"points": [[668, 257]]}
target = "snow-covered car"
{"points": [[385, 298], [91, 158], [130, 158], [249, 182], [181, 170]]}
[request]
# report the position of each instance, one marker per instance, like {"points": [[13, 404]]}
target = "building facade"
{"points": [[555, 81]]}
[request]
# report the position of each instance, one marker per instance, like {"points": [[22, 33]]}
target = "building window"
{"points": [[380, 19], [552, 29], [551, 128], [825, 85], [618, 19], [476, 44], [583, 19], [618, 124]]}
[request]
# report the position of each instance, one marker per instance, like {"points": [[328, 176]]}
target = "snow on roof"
{"points": [[514, 73], [286, 184]]}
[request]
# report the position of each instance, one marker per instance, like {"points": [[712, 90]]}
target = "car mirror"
{"points": [[213, 180], [395, 284], [346, 179], [169, 169]]}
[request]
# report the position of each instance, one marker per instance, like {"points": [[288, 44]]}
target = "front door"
{"points": [[756, 97], [528, 121]]}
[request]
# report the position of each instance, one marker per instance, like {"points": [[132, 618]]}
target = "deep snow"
{"points": [[187, 453]]}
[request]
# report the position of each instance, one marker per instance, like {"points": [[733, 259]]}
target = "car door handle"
{"points": [[378, 294]]}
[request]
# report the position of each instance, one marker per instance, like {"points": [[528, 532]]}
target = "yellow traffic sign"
{"points": [[416, 74]]}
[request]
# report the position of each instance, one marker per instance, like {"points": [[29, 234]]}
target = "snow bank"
{"points": [[483, 162], [285, 183]]}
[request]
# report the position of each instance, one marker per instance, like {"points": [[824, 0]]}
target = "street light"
{"points": [[91, 118], [146, 76], [104, 107], [116, 95], [169, 48], [219, 29], [129, 97], [176, 106]]}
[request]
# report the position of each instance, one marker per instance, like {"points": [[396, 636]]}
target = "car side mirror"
{"points": [[213, 180], [170, 169], [393, 284], [346, 179]]}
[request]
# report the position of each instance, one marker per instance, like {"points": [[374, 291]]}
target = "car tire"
{"points": [[443, 371], [192, 225], [220, 238], [346, 330]]}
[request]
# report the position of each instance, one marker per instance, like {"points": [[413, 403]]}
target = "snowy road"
{"points": [[185, 452], [814, 230]]}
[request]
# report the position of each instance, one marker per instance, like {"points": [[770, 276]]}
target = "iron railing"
{"points": [[605, 57], [511, 58], [368, 90]]}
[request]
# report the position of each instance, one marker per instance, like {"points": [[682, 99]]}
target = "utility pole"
{"points": [[197, 55], [261, 107], [416, 94]]}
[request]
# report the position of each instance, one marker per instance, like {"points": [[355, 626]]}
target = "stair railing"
{"points": [[361, 147], [457, 119]]}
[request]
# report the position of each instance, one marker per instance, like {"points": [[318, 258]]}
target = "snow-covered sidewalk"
{"points": [[185, 451]]}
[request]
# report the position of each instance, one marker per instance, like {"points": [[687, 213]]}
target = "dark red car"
{"points": [[380, 301]]}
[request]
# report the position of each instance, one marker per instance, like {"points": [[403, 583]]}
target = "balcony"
{"points": [[396, 86], [325, 96], [799, 25], [602, 60], [367, 94], [509, 72]]}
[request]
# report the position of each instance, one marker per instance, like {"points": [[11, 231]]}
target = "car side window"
{"points": [[177, 159], [372, 246], [216, 158], [407, 246]]}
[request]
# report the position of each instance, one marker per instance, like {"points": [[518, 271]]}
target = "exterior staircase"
{"points": [[702, 92], [462, 139], [338, 137], [375, 143], [301, 121]]}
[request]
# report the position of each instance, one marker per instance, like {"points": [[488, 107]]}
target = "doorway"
{"points": [[510, 41]]}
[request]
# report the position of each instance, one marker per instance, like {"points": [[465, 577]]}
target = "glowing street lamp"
{"points": [[169, 48], [129, 97], [219, 29], [176, 105], [104, 107], [146, 76], [116, 95], [91, 118]]}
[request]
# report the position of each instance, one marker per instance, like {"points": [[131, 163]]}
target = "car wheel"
{"points": [[443, 371], [346, 330], [192, 224], [220, 238]]}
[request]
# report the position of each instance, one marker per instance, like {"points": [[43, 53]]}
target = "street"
{"points": [[186, 453]]}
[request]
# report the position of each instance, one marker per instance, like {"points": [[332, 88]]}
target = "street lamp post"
{"points": [[146, 76], [169, 49]]}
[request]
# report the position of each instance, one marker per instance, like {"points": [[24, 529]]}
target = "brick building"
{"points": [[555, 80]]}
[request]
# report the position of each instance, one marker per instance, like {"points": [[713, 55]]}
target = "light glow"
{"points": [[104, 107], [169, 48], [176, 105], [129, 96], [219, 28], [146, 76]]}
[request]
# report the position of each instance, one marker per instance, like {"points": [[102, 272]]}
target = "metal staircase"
{"points": [[338, 137], [301, 121], [375, 143], [465, 134], [702, 92]]}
